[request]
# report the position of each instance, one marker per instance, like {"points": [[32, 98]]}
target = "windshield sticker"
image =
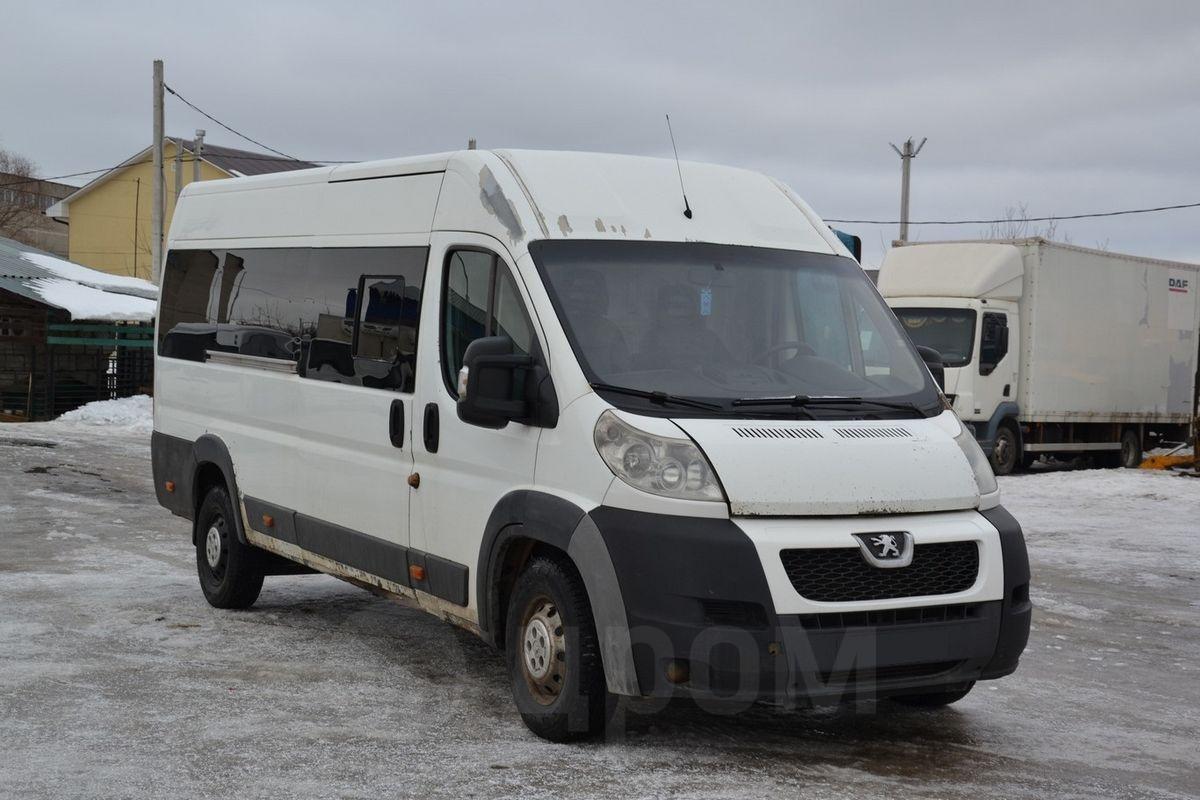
{"points": [[705, 302]]}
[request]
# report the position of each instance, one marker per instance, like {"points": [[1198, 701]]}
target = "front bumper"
{"points": [[699, 607]]}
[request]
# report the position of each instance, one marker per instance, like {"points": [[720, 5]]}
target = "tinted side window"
{"points": [[183, 324], [993, 341], [481, 299], [298, 304]]}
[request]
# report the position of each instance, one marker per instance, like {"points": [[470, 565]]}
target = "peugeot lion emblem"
{"points": [[886, 550]]}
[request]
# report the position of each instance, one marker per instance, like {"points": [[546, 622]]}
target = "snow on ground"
{"points": [[118, 680], [134, 414]]}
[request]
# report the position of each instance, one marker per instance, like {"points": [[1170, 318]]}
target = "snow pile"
{"points": [[134, 414], [90, 294]]}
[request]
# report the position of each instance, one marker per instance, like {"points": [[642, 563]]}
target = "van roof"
{"points": [[523, 195]]}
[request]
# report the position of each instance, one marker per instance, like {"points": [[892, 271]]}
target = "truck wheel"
{"points": [[554, 654], [1006, 450], [1131, 449], [231, 574], [935, 699]]}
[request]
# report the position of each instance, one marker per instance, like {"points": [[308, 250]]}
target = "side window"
{"points": [[184, 330], [299, 304], [993, 341], [480, 299]]}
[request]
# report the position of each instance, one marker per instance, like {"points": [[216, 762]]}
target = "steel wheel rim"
{"points": [[543, 648], [1004, 449], [214, 548]]}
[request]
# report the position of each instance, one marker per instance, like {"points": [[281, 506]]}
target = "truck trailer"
{"points": [[1053, 349]]}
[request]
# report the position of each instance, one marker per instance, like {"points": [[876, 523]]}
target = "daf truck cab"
{"points": [[1053, 349], [642, 452]]}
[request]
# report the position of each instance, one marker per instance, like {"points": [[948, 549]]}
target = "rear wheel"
{"points": [[1131, 449], [554, 654], [1006, 450], [231, 573], [935, 699]]}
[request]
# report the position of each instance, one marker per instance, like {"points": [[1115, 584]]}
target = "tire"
{"points": [[231, 573], [553, 653], [1006, 450], [1131, 449], [934, 699]]}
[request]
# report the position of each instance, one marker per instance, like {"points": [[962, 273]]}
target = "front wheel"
{"points": [[231, 574], [1006, 450], [554, 654]]}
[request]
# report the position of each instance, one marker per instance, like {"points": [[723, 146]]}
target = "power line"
{"points": [[58, 177], [1057, 218], [187, 159], [1054, 218], [234, 131]]}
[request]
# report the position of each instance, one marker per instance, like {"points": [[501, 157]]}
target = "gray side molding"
{"points": [[588, 551]]}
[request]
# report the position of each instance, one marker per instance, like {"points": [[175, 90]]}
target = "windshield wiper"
{"points": [[661, 398], [802, 400]]}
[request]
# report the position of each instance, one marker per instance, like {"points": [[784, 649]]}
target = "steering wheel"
{"points": [[775, 348]]}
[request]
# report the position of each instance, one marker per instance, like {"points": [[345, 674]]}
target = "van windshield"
{"points": [[950, 331], [720, 323]]}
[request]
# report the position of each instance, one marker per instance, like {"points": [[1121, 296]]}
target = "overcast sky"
{"points": [[1065, 107]]}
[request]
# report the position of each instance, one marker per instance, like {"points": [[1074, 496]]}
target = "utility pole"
{"points": [[906, 156], [178, 169], [156, 211], [197, 149], [137, 204]]}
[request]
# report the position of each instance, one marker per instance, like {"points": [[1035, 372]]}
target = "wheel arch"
{"points": [[212, 458], [525, 522]]}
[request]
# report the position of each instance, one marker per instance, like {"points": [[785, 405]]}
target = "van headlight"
{"points": [[656, 464], [984, 477]]}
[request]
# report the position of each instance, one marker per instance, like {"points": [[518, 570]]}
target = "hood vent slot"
{"points": [[873, 433], [778, 433]]}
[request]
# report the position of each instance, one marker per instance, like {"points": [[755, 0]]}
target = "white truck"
{"points": [[1054, 349]]}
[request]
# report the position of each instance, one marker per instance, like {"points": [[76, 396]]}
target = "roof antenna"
{"points": [[687, 210]]}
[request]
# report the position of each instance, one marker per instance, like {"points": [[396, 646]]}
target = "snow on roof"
{"points": [[86, 294]]}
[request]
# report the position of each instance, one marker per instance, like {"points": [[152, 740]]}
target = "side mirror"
{"points": [[933, 360], [495, 388]]}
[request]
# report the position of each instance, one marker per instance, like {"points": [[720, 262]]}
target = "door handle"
{"points": [[430, 428], [396, 423]]}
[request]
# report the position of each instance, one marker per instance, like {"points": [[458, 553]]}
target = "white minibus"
{"points": [[645, 445]]}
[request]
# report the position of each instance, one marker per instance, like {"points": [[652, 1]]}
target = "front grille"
{"points": [[840, 575]]}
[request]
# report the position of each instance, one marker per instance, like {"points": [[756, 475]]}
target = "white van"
{"points": [[645, 446]]}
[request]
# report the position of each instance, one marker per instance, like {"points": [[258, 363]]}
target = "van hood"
{"points": [[782, 468]]}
